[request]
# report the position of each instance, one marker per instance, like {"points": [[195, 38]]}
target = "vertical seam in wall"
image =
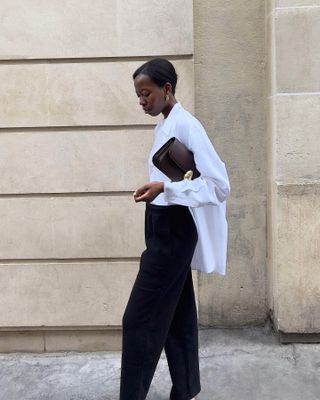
{"points": [[273, 199], [267, 131], [270, 13], [273, 128], [273, 83]]}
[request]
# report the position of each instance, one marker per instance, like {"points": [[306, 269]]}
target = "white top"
{"points": [[205, 196]]}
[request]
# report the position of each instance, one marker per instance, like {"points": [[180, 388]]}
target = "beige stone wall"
{"points": [[229, 100], [294, 164], [69, 118], [73, 147], [99, 28]]}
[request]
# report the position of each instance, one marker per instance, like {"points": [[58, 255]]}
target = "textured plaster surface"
{"points": [[229, 76], [78, 94], [71, 227], [297, 138], [99, 28], [294, 169], [297, 49], [298, 253], [74, 145], [65, 294], [74, 161]]}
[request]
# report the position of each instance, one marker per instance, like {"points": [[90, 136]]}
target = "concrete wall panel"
{"points": [[225, 301], [74, 161], [229, 75], [71, 234], [99, 28], [298, 250], [71, 227], [53, 340], [294, 169], [61, 296], [11, 341], [298, 50], [298, 140], [83, 340], [73, 94], [70, 294]]}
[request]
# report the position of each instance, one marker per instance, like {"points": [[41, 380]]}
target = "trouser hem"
{"points": [[187, 396]]}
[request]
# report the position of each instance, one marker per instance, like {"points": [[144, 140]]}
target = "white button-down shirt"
{"points": [[205, 196]]}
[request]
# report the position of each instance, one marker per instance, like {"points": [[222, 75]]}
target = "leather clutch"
{"points": [[176, 161]]}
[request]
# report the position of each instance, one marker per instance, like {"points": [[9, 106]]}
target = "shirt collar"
{"points": [[166, 123]]}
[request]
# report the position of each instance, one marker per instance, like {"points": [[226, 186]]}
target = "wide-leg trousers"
{"points": [[161, 310]]}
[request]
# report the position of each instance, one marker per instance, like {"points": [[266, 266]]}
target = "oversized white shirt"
{"points": [[205, 196]]}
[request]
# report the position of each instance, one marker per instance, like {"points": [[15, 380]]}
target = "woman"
{"points": [[185, 228]]}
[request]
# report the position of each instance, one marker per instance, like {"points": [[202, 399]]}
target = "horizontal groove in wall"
{"points": [[298, 182], [297, 7], [294, 94], [61, 328], [7, 61], [68, 260], [69, 194], [77, 128]]}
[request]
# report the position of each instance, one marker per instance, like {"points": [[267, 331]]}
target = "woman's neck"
{"points": [[168, 108]]}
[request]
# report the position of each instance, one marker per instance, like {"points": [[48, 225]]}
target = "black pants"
{"points": [[161, 311]]}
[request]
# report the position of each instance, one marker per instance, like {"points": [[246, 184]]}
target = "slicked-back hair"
{"points": [[160, 71]]}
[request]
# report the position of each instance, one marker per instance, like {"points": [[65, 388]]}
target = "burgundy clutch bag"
{"points": [[176, 161]]}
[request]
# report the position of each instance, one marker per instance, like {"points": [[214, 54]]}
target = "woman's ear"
{"points": [[167, 88]]}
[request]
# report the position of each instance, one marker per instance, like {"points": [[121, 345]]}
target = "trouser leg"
{"points": [[145, 325], [171, 238], [181, 346]]}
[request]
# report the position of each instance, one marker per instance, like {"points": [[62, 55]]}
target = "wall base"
{"points": [[298, 337], [60, 340]]}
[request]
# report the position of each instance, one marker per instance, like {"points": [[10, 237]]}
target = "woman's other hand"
{"points": [[148, 192]]}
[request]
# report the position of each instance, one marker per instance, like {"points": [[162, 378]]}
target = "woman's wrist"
{"points": [[161, 187]]}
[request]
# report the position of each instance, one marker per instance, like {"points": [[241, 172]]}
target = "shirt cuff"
{"points": [[168, 190]]}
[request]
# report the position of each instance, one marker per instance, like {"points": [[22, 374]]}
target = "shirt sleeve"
{"points": [[212, 186]]}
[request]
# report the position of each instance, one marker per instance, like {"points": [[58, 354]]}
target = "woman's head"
{"points": [[155, 83]]}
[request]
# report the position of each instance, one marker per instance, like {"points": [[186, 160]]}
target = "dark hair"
{"points": [[160, 71]]}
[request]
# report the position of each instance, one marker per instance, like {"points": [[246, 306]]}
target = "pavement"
{"points": [[235, 364]]}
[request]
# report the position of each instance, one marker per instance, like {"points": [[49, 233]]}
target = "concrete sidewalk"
{"points": [[236, 364]]}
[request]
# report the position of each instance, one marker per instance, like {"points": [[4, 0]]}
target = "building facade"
{"points": [[70, 123]]}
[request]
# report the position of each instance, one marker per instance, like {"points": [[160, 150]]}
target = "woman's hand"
{"points": [[148, 192]]}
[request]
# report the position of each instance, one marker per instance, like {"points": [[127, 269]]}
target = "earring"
{"points": [[167, 97]]}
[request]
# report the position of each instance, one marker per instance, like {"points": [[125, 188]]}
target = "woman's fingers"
{"points": [[147, 192], [141, 198], [148, 195], [141, 190], [139, 194]]}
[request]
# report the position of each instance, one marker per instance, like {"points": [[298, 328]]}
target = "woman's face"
{"points": [[151, 96]]}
